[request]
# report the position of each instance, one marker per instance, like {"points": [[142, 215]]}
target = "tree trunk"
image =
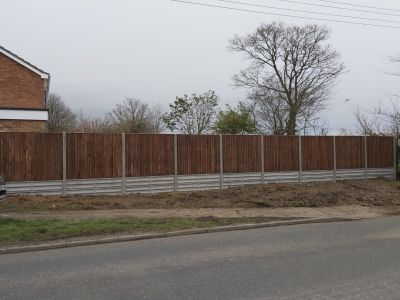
{"points": [[291, 125]]}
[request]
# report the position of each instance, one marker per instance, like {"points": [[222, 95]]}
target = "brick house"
{"points": [[23, 94]]}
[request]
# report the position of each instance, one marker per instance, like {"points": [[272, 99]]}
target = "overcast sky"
{"points": [[101, 51]]}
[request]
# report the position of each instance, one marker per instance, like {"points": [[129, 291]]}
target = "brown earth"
{"points": [[285, 213], [374, 193]]}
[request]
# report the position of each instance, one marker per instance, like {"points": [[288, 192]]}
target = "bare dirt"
{"points": [[286, 213], [247, 204], [358, 199]]}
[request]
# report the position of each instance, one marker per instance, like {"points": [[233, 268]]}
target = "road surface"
{"points": [[348, 260]]}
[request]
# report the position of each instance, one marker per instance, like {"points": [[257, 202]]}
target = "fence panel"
{"points": [[38, 156], [93, 155], [380, 152], [317, 152], [350, 152], [149, 154], [30, 156], [281, 153], [198, 154], [241, 153]]}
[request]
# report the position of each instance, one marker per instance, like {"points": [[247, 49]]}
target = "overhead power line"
{"points": [[283, 15], [359, 5], [306, 11], [338, 7]]}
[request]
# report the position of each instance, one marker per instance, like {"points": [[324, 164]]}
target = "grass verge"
{"points": [[14, 231]]}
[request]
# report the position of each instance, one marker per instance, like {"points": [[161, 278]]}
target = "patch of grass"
{"points": [[13, 230]]}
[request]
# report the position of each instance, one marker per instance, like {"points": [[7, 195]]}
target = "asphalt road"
{"points": [[349, 260]]}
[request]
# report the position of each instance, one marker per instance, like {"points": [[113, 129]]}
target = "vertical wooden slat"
{"points": [[149, 154], [91, 155], [123, 162], [317, 153], [334, 159], [281, 153], [198, 154], [241, 153], [350, 152], [394, 157], [380, 152], [30, 156]]}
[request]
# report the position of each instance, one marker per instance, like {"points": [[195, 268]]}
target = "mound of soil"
{"points": [[370, 193]]}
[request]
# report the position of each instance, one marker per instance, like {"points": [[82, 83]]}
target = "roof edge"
{"points": [[24, 63]]}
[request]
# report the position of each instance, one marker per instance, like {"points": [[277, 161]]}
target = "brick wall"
{"points": [[19, 86], [22, 126]]}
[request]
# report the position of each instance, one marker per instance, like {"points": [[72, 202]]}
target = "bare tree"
{"points": [[157, 122], [135, 116], [380, 120], [194, 114], [87, 123], [61, 117], [291, 74], [268, 111], [396, 61]]}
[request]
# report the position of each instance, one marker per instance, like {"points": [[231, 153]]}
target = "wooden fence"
{"points": [[57, 156]]}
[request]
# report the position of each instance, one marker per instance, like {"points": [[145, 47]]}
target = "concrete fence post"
{"points": [[123, 163], [394, 157], [175, 162], [365, 158], [334, 159], [221, 162], [64, 164], [300, 160], [262, 159]]}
